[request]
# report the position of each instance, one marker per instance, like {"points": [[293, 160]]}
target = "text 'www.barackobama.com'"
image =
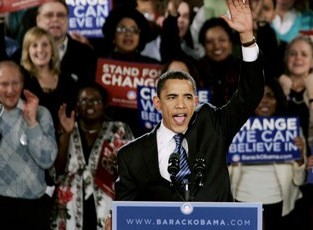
{"points": [[189, 222]]}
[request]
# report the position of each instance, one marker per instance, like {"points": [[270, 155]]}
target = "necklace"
{"points": [[90, 131]]}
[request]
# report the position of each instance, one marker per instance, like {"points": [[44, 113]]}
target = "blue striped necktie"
{"points": [[181, 177]]}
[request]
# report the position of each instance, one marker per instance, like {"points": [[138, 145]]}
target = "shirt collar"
{"points": [[63, 48], [166, 134]]}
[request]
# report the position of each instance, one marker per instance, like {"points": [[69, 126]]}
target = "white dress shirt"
{"points": [[166, 146]]}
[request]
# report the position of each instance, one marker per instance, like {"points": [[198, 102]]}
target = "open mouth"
{"points": [[264, 110], [180, 118], [218, 52], [128, 41], [90, 111]]}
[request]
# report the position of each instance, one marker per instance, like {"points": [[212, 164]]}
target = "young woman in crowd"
{"points": [[297, 80], [218, 68], [40, 59], [126, 32], [276, 184]]}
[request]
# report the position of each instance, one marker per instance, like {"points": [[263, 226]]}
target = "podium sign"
{"points": [[186, 215]]}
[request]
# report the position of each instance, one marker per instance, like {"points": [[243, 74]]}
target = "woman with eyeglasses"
{"points": [[126, 32], [86, 164]]}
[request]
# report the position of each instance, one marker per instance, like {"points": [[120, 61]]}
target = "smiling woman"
{"points": [[40, 59], [218, 68], [126, 32]]}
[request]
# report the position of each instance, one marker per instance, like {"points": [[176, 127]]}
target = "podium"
{"points": [[128, 215]]}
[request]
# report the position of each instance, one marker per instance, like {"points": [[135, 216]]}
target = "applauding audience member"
{"points": [[86, 164], [296, 82], [40, 59], [28, 147]]}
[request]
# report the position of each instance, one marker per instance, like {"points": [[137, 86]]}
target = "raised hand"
{"points": [[67, 123], [240, 19], [30, 108]]}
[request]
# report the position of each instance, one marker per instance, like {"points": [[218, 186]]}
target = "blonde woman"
{"points": [[298, 78], [40, 59]]}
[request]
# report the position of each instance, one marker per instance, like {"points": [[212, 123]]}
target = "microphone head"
{"points": [[200, 164], [173, 164]]}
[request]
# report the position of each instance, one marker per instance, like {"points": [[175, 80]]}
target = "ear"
{"points": [[157, 103], [196, 100]]}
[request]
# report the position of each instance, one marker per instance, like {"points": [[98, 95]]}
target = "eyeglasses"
{"points": [[124, 30], [92, 101], [58, 15]]}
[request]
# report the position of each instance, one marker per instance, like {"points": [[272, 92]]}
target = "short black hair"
{"points": [[215, 22], [59, 1], [116, 15], [281, 100], [96, 87], [174, 74]]}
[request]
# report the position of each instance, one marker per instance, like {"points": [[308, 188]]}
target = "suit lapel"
{"points": [[192, 138], [150, 155]]}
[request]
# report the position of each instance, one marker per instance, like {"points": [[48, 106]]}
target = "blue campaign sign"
{"points": [[88, 16], [266, 139], [149, 117], [190, 215]]}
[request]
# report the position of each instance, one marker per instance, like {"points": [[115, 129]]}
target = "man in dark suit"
{"points": [[78, 60], [207, 130]]}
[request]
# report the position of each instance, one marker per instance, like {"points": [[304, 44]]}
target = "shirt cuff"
{"points": [[250, 54]]}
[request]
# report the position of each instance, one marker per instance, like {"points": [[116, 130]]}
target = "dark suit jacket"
{"points": [[209, 134], [79, 62]]}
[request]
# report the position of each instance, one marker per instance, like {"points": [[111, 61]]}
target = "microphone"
{"points": [[173, 166], [199, 170]]}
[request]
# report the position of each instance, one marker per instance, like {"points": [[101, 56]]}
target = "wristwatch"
{"points": [[249, 43]]}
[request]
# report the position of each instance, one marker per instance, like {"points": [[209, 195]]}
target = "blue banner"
{"points": [[87, 16], [188, 216], [266, 139]]}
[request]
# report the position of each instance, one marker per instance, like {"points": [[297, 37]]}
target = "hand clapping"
{"points": [[30, 108]]}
